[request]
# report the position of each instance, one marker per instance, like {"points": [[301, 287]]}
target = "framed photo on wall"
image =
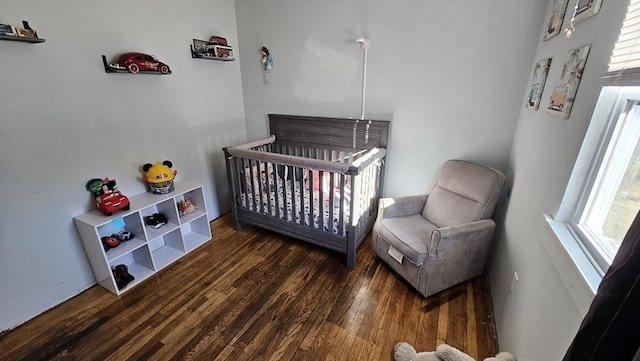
{"points": [[536, 87], [586, 9], [565, 90], [554, 25]]}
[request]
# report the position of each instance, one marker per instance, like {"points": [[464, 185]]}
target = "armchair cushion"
{"points": [[410, 235]]}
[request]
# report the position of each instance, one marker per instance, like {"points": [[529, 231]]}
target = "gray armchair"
{"points": [[441, 239]]}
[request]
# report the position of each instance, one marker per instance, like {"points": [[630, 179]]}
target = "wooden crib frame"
{"points": [[346, 156]]}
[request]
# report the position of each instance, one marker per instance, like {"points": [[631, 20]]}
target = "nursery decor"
{"points": [[582, 10], [108, 198], [538, 80], [267, 64], [405, 352], [156, 220], [215, 49], [23, 34], [186, 206], [135, 63], [159, 176], [564, 92], [122, 276], [555, 20]]}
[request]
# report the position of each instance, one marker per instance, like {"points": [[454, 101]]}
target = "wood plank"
{"points": [[255, 294]]}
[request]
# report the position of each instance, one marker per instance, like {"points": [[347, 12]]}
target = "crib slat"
{"points": [[332, 177], [276, 195], [243, 179], [320, 200], [309, 189], [341, 226]]}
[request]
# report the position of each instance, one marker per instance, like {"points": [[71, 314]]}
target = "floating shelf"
{"points": [[109, 69], [21, 39]]}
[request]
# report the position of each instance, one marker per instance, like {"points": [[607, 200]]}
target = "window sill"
{"points": [[576, 271]]}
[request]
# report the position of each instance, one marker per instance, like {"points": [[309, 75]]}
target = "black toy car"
{"points": [[156, 220]]}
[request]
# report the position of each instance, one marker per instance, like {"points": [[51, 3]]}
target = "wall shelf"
{"points": [[21, 39], [151, 249]]}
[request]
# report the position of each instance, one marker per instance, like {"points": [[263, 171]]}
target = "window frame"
{"points": [[587, 240]]}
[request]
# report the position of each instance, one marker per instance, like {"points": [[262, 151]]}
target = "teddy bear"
{"points": [[405, 352]]}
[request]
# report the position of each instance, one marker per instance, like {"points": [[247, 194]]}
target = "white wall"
{"points": [[63, 121], [540, 320], [448, 74]]}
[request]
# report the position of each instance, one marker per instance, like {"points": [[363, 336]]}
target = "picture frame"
{"points": [[586, 9], [564, 93], [538, 80], [554, 25]]}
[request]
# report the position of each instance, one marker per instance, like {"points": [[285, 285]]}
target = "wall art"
{"points": [[536, 87], [559, 8], [585, 9], [564, 92]]}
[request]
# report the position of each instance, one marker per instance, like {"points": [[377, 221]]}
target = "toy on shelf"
{"points": [[108, 198], [123, 236], [159, 176], [156, 220], [109, 242], [185, 206], [135, 63], [216, 48], [122, 276]]}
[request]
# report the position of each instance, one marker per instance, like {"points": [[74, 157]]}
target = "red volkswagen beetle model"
{"points": [[136, 62]]}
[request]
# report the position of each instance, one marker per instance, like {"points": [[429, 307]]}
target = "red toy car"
{"points": [[108, 203], [135, 62]]}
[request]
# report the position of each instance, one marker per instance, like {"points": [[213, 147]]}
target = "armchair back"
{"points": [[464, 192]]}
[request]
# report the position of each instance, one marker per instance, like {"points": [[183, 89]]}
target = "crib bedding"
{"points": [[261, 197]]}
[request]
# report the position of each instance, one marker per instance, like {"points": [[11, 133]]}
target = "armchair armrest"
{"points": [[401, 206], [471, 238]]}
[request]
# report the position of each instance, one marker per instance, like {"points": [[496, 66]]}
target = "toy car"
{"points": [[156, 220], [136, 62], [108, 203], [123, 236], [110, 242]]}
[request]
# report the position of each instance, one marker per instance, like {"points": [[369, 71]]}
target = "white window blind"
{"points": [[625, 59]]}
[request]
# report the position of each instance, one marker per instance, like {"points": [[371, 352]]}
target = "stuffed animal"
{"points": [[108, 198], [159, 176], [405, 352], [185, 207]]}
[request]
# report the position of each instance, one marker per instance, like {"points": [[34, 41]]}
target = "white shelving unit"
{"points": [[151, 249]]}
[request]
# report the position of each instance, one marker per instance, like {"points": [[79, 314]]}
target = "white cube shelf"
{"points": [[151, 249]]}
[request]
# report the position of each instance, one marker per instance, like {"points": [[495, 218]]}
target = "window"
{"points": [[610, 194], [610, 197]]}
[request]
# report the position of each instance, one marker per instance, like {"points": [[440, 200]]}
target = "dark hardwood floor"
{"points": [[257, 295]]}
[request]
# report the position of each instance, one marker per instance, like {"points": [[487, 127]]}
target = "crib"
{"points": [[316, 179]]}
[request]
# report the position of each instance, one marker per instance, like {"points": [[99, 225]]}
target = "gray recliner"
{"points": [[438, 240]]}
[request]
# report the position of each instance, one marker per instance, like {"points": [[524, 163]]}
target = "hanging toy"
{"points": [[267, 64], [571, 28]]}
